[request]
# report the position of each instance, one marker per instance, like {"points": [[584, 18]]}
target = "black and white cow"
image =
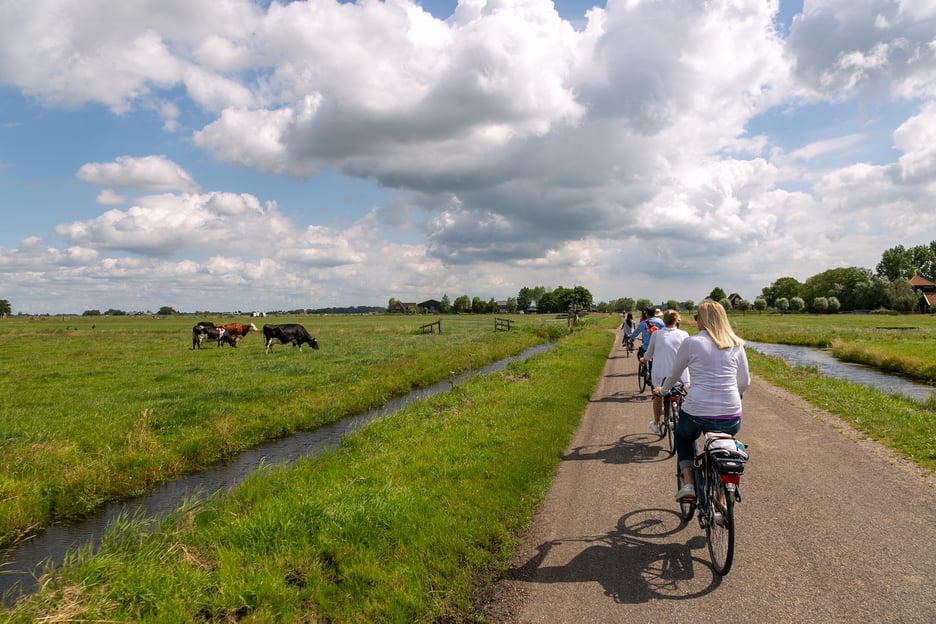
{"points": [[205, 330], [289, 333]]}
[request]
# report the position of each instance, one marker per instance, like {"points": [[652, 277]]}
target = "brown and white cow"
{"points": [[238, 330]]}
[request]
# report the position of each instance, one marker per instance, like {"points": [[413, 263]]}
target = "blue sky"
{"points": [[236, 155]]}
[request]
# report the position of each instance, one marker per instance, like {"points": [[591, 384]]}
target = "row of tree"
{"points": [[540, 298]]}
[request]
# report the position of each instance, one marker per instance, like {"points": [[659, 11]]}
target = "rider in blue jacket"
{"points": [[647, 318]]}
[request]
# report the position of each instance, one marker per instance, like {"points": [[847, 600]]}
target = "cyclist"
{"points": [[628, 326], [661, 353], [718, 368], [648, 318]]}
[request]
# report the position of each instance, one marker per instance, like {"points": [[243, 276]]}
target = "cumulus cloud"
{"points": [[149, 173], [521, 149]]}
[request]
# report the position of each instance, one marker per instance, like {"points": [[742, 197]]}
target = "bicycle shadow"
{"points": [[634, 448], [623, 397], [633, 563]]}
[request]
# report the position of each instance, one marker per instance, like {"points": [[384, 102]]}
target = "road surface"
{"points": [[832, 528]]}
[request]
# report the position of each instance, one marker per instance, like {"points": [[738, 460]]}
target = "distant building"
{"points": [[402, 307], [927, 290], [430, 306], [734, 299]]}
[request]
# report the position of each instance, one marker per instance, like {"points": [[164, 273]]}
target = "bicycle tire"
{"points": [[670, 412], [686, 508], [642, 377], [719, 534]]}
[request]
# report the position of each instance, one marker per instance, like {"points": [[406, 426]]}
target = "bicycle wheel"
{"points": [[719, 529], [642, 376], [670, 412], [686, 508]]}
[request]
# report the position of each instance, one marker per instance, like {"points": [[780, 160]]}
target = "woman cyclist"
{"points": [[718, 368]]}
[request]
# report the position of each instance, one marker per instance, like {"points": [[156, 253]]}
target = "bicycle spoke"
{"points": [[719, 530]]}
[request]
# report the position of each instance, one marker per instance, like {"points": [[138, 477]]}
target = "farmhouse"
{"points": [[927, 290], [400, 307], [734, 299]]}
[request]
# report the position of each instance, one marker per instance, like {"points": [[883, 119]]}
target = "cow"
{"points": [[207, 331], [289, 333], [238, 330]]}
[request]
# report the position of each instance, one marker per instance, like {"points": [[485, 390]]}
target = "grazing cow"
{"points": [[291, 332], [238, 330], [207, 331]]}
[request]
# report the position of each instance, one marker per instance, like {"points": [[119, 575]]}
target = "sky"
{"points": [[236, 155]]}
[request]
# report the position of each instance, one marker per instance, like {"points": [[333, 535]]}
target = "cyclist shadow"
{"points": [[635, 448], [624, 397], [634, 563]]}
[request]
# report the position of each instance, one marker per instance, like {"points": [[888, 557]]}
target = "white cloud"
{"points": [[149, 173], [522, 151]]}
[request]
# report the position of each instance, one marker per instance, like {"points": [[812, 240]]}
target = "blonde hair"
{"points": [[714, 320], [670, 317]]}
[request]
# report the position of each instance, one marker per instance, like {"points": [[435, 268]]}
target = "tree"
{"points": [[461, 304], [672, 304], [820, 305], [787, 287], [760, 304], [744, 305], [391, 304], [512, 305], [844, 283], [113, 312], [797, 304], [725, 304], [895, 262], [783, 304], [5, 308], [166, 311], [834, 305], [477, 306], [445, 306], [688, 305], [643, 304], [717, 294], [91, 313]]}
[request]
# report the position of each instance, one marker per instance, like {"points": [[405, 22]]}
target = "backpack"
{"points": [[651, 327]]}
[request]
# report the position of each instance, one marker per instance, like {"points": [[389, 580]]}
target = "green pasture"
{"points": [[409, 520], [901, 344], [98, 408]]}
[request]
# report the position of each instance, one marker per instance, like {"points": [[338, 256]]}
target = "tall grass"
{"points": [[402, 523]]}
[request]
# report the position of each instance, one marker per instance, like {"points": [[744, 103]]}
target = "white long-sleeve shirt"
{"points": [[662, 352], [719, 377]]}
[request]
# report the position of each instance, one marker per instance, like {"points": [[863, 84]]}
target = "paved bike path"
{"points": [[830, 529]]}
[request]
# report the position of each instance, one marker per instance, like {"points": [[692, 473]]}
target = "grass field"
{"points": [[902, 344], [95, 408], [405, 522]]}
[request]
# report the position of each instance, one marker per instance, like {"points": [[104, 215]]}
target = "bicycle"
{"points": [[672, 403], [643, 377], [717, 471], [629, 346]]}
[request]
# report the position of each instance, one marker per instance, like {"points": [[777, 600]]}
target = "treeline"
{"points": [[540, 299], [857, 288]]}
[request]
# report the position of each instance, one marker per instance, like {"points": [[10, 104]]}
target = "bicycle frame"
{"points": [[717, 491]]}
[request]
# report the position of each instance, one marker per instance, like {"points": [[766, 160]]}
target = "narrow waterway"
{"points": [[24, 563], [827, 365]]}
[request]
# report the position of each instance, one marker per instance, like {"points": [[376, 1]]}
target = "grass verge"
{"points": [[393, 526], [902, 424]]}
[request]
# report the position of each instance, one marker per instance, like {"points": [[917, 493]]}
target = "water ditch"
{"points": [[828, 366], [23, 563]]}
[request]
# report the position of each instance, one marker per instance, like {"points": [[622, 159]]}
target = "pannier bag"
{"points": [[727, 453]]}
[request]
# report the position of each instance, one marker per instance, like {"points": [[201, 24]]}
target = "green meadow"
{"points": [[97, 408], [409, 520]]}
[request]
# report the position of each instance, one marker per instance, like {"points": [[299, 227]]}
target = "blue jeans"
{"points": [[689, 428]]}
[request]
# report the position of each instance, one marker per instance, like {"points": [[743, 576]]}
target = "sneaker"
{"points": [[718, 519], [655, 428], [686, 493]]}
